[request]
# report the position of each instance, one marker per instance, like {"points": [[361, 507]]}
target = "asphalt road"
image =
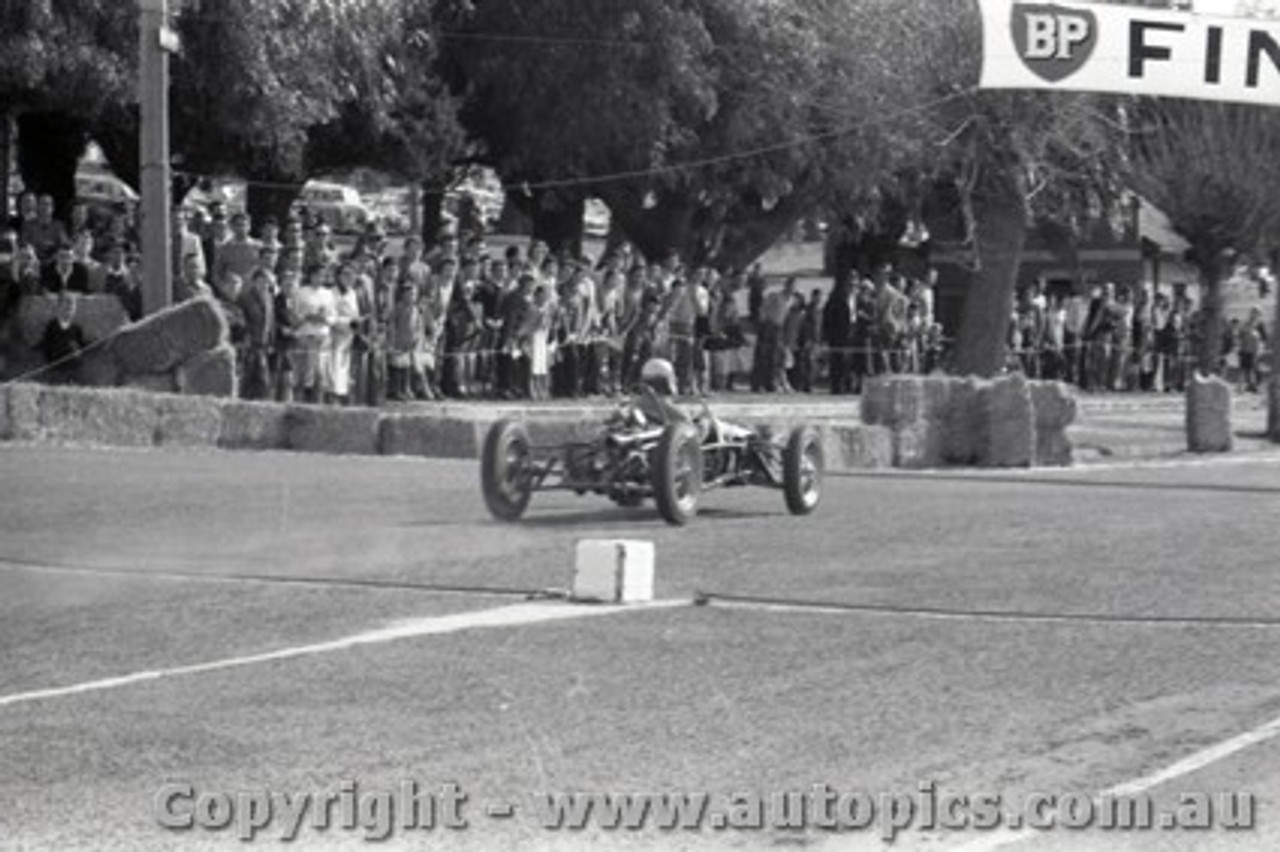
{"points": [[1059, 633]]}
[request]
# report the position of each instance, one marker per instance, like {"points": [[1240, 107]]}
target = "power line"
{"points": [[653, 171]]}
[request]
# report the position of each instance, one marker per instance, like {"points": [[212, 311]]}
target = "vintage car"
{"points": [[648, 449]]}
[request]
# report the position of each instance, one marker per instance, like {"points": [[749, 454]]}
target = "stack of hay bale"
{"points": [[944, 420]]}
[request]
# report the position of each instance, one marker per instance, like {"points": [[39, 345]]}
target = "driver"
{"points": [[657, 383]]}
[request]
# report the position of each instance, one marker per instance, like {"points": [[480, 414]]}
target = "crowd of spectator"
{"points": [[1127, 339], [366, 324]]}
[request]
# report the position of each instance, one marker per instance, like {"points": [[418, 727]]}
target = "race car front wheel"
{"points": [[802, 464], [504, 470], [677, 473]]}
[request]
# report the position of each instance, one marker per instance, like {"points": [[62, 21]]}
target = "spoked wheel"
{"points": [[677, 473], [802, 464], [505, 470]]}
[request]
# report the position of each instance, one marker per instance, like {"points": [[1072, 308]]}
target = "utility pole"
{"points": [[156, 41]]}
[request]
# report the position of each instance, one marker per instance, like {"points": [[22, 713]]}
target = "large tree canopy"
{"points": [[1211, 168], [702, 124], [62, 65]]}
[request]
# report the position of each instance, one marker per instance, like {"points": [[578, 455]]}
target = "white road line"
{"points": [[1188, 765], [518, 615]]}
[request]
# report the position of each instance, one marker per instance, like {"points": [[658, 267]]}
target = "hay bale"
{"points": [[1055, 409], [187, 421], [22, 412], [894, 401], [964, 423], [1009, 420], [210, 373], [98, 316], [431, 436], [98, 369], [334, 431], [95, 416], [170, 337], [856, 446], [253, 426], [1209, 415], [152, 382], [919, 446]]}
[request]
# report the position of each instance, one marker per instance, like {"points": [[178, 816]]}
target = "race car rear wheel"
{"points": [[802, 464], [504, 470], [677, 473]]}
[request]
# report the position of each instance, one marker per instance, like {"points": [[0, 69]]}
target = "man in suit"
{"points": [[64, 275]]}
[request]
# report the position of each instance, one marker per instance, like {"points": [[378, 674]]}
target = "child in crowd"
{"points": [[543, 317], [404, 342], [63, 342]]}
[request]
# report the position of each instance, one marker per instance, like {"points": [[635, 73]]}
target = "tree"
{"points": [[698, 123], [1211, 168], [62, 65], [1013, 157]]}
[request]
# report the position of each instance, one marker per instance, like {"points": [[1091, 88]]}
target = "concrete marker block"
{"points": [[613, 571]]}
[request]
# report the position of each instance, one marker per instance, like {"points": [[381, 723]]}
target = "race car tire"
{"points": [[802, 465], [506, 453], [677, 473]]}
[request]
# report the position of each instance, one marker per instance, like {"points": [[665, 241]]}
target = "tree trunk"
{"points": [[432, 216], [1213, 270], [557, 221], [272, 199], [1001, 229], [49, 148]]}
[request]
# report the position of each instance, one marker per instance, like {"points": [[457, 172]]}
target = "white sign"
{"points": [[1200, 49]]}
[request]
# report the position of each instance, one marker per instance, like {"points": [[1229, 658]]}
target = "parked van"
{"points": [[339, 205]]}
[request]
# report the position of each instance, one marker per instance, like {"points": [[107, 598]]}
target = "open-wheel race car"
{"points": [[650, 449]]}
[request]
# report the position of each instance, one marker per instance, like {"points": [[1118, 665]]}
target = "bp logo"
{"points": [[1053, 41]]}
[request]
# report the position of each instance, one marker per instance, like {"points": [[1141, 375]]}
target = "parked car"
{"points": [[103, 191], [339, 205]]}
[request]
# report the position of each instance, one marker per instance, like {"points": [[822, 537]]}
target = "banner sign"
{"points": [[1218, 50]]}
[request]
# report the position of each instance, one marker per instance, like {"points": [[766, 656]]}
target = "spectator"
{"points": [[769, 356], [95, 273], [1252, 337], [44, 232], [64, 274], [285, 342], [63, 341], [541, 321], [316, 310], [257, 304], [186, 244], [26, 271], [404, 341], [346, 317], [121, 280], [28, 209], [837, 330], [239, 254]]}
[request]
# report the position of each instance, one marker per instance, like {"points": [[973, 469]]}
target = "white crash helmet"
{"points": [[658, 374]]}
